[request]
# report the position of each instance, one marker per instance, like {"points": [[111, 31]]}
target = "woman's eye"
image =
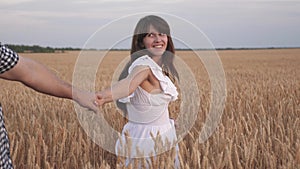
{"points": [[150, 35], [153, 34]]}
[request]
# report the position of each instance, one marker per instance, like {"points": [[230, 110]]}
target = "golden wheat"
{"points": [[260, 126]]}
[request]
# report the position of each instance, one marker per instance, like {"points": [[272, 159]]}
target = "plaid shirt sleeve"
{"points": [[8, 58]]}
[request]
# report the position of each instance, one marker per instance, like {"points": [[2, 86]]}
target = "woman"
{"points": [[145, 90]]}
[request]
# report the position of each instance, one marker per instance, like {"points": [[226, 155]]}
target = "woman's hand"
{"points": [[124, 87], [100, 99]]}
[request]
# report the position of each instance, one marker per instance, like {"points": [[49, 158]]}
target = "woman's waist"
{"points": [[148, 118], [157, 124]]}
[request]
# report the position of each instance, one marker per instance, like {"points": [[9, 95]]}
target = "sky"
{"points": [[225, 23]]}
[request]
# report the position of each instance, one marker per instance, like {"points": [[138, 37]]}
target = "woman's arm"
{"points": [[124, 87], [41, 79]]}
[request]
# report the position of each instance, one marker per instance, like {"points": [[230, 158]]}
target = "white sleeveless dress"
{"points": [[148, 115]]}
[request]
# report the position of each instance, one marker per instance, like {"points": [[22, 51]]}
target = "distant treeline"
{"points": [[38, 49]]}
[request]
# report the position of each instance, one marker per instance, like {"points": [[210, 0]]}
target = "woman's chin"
{"points": [[156, 52]]}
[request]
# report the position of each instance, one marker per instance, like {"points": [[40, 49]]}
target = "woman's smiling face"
{"points": [[156, 42]]}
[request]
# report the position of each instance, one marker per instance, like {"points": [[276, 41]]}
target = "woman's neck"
{"points": [[157, 59]]}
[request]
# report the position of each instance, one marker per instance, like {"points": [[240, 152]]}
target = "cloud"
{"points": [[103, 1], [14, 2], [219, 19], [126, 1]]}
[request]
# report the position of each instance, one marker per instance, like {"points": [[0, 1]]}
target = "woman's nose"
{"points": [[157, 38]]}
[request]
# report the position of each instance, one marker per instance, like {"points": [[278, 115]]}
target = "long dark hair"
{"points": [[138, 49]]}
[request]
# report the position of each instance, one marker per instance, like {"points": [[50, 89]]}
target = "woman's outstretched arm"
{"points": [[124, 87]]}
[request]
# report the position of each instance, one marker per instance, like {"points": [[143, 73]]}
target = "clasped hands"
{"points": [[91, 101]]}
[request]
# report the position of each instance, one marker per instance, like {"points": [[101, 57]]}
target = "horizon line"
{"points": [[217, 48]]}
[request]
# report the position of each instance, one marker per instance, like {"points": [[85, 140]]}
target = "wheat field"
{"points": [[259, 128]]}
